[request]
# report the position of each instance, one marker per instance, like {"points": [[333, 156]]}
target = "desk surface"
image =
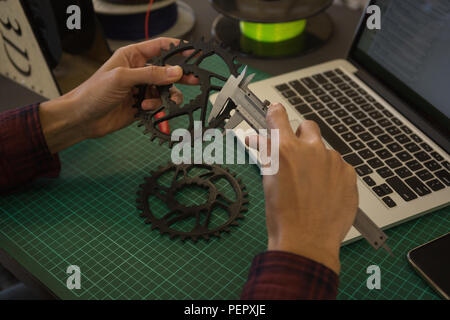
{"points": [[88, 218]]}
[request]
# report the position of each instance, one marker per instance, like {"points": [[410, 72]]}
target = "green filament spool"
{"points": [[272, 32]]}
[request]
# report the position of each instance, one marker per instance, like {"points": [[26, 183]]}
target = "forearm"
{"points": [[315, 248], [276, 275], [60, 124]]}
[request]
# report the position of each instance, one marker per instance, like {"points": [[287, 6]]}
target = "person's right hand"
{"points": [[312, 201]]}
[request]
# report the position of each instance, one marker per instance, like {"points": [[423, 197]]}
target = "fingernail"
{"points": [[173, 72]]}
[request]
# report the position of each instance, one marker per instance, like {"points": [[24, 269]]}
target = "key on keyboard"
{"points": [[332, 138]]}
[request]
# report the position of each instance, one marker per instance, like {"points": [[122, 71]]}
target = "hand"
{"points": [[312, 202], [103, 104]]}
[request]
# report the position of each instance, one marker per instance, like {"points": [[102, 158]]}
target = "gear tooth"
{"points": [[149, 221], [206, 237], [226, 229], [235, 223], [245, 194], [173, 236], [244, 209], [217, 234], [240, 216], [245, 201], [182, 237], [153, 137]]}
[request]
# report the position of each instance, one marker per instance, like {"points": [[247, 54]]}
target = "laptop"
{"points": [[385, 109]]}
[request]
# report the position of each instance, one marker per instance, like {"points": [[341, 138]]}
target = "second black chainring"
{"points": [[201, 215]]}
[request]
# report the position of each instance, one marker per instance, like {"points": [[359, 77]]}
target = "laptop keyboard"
{"points": [[369, 137]]}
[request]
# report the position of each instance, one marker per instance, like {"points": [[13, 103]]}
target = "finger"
{"points": [[309, 131], [151, 48], [257, 142], [154, 93], [151, 104], [298, 132], [176, 96], [188, 53], [151, 92], [126, 77], [252, 142], [189, 79], [263, 145], [277, 118]]}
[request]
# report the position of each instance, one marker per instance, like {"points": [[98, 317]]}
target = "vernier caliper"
{"points": [[247, 106]]}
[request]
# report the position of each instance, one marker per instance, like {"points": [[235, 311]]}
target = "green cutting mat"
{"points": [[88, 218]]}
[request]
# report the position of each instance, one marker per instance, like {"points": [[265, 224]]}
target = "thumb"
{"points": [[148, 75]]}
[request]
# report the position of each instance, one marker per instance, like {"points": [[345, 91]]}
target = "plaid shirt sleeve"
{"points": [[24, 155], [276, 275]]}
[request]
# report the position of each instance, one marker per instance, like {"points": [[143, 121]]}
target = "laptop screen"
{"points": [[411, 53]]}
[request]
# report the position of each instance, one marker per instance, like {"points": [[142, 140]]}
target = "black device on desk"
{"points": [[432, 262]]}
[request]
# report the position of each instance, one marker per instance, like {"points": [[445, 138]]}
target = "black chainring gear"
{"points": [[190, 65], [201, 213]]}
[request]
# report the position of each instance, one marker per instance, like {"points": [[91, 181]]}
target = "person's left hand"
{"points": [[103, 104]]}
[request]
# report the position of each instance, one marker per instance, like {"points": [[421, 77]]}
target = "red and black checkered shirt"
{"points": [[24, 157], [276, 275]]}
